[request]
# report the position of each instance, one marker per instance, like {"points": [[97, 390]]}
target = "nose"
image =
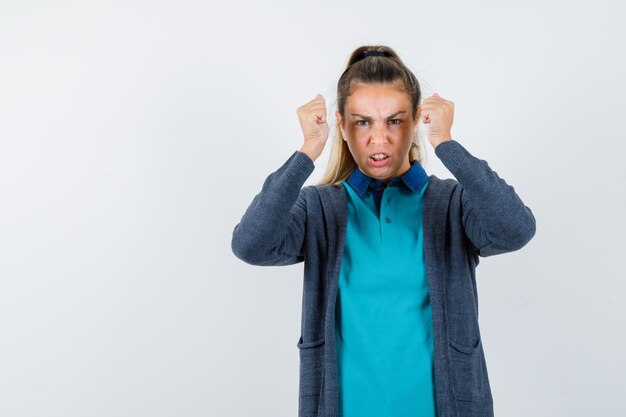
{"points": [[379, 136]]}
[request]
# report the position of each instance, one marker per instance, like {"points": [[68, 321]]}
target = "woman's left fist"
{"points": [[438, 113]]}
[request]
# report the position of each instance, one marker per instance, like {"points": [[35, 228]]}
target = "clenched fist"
{"points": [[438, 113], [312, 117]]}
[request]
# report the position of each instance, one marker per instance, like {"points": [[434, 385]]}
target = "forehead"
{"points": [[378, 98]]}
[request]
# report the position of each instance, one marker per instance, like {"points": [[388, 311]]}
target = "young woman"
{"points": [[390, 305]]}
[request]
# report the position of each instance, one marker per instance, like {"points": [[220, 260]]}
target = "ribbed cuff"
{"points": [[458, 160], [308, 157], [300, 166], [450, 150]]}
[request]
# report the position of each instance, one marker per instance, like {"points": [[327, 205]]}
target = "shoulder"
{"points": [[440, 186], [325, 194], [323, 189]]}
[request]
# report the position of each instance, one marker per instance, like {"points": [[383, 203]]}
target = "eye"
{"points": [[359, 121], [397, 120]]}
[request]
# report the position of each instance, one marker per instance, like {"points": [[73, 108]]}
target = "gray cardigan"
{"points": [[478, 215]]}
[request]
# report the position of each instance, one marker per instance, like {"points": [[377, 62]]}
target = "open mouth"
{"points": [[379, 157], [379, 160]]}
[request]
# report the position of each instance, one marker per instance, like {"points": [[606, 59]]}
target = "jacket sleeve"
{"points": [[495, 219], [272, 229]]}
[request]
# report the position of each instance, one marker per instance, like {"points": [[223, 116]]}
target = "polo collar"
{"points": [[415, 178]]}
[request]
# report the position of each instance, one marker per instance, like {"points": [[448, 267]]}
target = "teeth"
{"points": [[379, 156]]}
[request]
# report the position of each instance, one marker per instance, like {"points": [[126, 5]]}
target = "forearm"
{"points": [[273, 224], [497, 212]]}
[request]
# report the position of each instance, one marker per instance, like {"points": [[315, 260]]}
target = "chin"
{"points": [[381, 174]]}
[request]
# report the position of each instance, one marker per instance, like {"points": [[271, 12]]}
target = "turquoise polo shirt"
{"points": [[383, 326]]}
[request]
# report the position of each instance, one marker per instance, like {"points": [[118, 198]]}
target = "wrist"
{"points": [[311, 152], [439, 142]]}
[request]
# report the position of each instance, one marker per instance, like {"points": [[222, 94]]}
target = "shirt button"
{"points": [[388, 199], [388, 219]]}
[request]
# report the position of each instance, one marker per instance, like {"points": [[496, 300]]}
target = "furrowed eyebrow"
{"points": [[369, 118]]}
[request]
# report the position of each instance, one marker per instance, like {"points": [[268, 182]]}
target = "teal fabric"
{"points": [[384, 331]]}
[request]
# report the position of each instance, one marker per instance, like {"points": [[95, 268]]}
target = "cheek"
{"points": [[405, 129], [350, 131], [358, 149]]}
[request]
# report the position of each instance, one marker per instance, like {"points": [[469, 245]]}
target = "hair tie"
{"points": [[371, 52], [374, 52]]}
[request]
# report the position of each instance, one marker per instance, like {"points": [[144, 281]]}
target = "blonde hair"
{"points": [[370, 69]]}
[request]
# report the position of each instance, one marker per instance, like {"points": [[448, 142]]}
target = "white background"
{"points": [[134, 134]]}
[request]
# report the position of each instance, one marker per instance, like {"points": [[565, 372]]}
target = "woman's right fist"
{"points": [[312, 117]]}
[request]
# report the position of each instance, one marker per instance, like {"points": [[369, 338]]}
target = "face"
{"points": [[379, 120]]}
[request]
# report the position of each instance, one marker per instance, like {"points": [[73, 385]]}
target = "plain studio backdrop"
{"points": [[134, 134]]}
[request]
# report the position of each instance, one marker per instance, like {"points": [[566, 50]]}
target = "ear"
{"points": [[340, 124], [419, 113]]}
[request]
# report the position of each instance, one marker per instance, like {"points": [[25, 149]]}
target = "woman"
{"points": [[390, 306]]}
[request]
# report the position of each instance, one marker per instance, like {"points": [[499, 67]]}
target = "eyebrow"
{"points": [[369, 118]]}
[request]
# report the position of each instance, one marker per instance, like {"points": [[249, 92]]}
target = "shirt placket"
{"points": [[388, 217]]}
